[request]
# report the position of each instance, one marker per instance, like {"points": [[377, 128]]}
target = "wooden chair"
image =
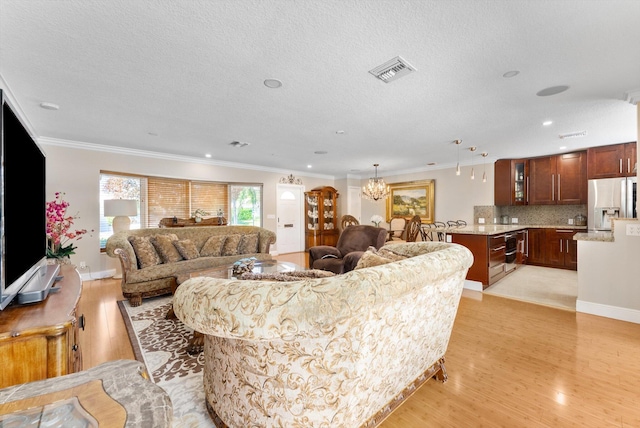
{"points": [[413, 229], [397, 226], [348, 220]]}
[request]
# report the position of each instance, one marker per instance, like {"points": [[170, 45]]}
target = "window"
{"points": [[160, 198], [246, 204]]}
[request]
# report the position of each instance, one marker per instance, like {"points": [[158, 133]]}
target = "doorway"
{"points": [[289, 234]]}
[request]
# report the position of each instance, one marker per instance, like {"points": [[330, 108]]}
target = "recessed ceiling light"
{"points": [[272, 83], [563, 147], [49, 106], [208, 155], [547, 122], [153, 134], [552, 90], [320, 152], [239, 144], [512, 73], [308, 166], [340, 132]]}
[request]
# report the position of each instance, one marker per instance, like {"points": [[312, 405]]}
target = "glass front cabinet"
{"points": [[321, 213]]}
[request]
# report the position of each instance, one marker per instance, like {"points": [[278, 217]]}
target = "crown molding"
{"points": [[632, 97]]}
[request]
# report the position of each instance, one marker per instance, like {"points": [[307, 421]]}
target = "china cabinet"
{"points": [[321, 214]]}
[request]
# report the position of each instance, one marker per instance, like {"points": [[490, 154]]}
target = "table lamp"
{"points": [[120, 210]]}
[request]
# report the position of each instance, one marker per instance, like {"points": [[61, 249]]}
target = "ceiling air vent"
{"points": [[392, 69], [573, 135]]}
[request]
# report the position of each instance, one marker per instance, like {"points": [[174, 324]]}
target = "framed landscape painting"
{"points": [[412, 198]]}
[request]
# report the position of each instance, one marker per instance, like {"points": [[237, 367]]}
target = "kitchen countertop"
{"points": [[495, 229]]}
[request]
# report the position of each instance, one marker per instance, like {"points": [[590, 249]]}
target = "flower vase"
{"points": [[198, 219]]}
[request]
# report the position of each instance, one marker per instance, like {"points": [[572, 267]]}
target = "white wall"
{"points": [[455, 196], [76, 172]]}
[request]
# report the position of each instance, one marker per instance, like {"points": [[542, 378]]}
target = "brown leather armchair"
{"points": [[353, 242]]}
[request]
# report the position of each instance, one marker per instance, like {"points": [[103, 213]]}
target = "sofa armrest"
{"points": [[320, 251], [351, 260]]}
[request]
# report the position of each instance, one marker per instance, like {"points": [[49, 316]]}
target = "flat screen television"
{"points": [[23, 247]]}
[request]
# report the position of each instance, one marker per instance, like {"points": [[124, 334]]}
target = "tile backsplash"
{"points": [[530, 214]]}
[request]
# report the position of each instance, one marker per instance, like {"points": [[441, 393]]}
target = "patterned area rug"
{"points": [[161, 345]]}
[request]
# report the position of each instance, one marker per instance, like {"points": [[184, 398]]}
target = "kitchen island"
{"points": [[500, 249]]}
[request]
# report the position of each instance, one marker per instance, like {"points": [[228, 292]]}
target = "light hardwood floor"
{"points": [[510, 364]]}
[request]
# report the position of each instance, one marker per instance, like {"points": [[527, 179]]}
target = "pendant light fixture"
{"points": [[376, 189], [473, 173], [457, 143], [484, 163]]}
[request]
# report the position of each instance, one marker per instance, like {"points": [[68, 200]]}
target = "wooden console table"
{"points": [[40, 340]]}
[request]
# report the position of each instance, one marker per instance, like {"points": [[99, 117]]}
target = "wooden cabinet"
{"points": [[321, 213], [560, 179], [40, 340], [553, 248], [488, 256], [522, 237], [617, 160], [511, 179]]}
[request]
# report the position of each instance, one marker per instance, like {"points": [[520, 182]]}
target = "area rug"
{"points": [[161, 345]]}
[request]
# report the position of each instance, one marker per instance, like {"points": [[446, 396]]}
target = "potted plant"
{"points": [[198, 214], [59, 233]]}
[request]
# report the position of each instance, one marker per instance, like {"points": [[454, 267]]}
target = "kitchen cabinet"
{"points": [[321, 213], [511, 179], [558, 180], [521, 247], [488, 256], [616, 160], [40, 340], [553, 248]]}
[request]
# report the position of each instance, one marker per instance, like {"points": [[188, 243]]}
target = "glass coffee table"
{"points": [[196, 343]]}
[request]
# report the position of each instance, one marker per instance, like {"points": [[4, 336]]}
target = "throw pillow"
{"points": [[373, 257], [165, 248], [187, 249], [248, 244], [230, 247], [213, 246], [145, 251]]}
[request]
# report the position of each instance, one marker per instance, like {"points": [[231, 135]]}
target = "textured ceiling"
{"points": [[192, 72]]}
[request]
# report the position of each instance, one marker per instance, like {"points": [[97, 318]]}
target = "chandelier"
{"points": [[376, 188]]}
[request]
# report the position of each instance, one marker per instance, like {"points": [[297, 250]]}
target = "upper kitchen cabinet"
{"points": [[511, 180], [558, 180], [617, 160]]}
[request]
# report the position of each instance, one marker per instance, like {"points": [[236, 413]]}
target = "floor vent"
{"points": [[392, 70]]}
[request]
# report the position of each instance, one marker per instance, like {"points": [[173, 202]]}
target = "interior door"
{"points": [[354, 203], [290, 207]]}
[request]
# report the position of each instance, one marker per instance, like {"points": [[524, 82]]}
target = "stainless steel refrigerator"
{"points": [[611, 198]]}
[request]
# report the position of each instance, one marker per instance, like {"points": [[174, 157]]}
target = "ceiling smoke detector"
{"points": [[239, 144], [392, 69], [573, 135]]}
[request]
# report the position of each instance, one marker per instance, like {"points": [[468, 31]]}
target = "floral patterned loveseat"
{"points": [[340, 351], [163, 257]]}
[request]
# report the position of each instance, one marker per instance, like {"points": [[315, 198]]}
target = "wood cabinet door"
{"points": [[631, 155], [554, 248], [571, 179], [542, 180], [502, 182], [606, 161], [537, 249]]}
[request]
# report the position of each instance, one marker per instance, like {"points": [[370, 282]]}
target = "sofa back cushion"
{"points": [[213, 246], [165, 248], [187, 249], [248, 244], [230, 247], [145, 251]]}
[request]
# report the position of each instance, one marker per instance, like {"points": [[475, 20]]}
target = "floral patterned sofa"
{"points": [[154, 260], [340, 351]]}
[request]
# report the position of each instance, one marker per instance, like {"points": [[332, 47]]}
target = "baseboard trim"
{"points": [[607, 311], [472, 285], [98, 275]]}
